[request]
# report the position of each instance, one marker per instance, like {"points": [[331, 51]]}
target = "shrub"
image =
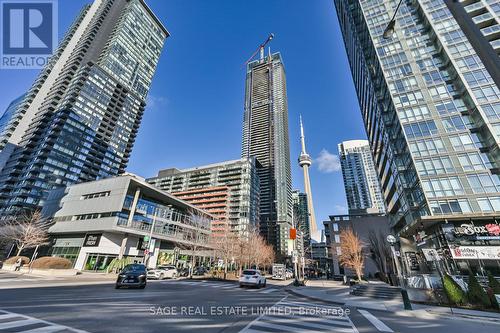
{"points": [[494, 288], [453, 290], [476, 293], [12, 260], [52, 263]]}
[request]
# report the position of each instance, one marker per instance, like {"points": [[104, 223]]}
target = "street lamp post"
{"points": [[404, 293], [389, 30]]}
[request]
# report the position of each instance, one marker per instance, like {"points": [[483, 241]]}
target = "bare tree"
{"points": [[197, 235], [381, 253], [225, 247], [352, 255], [25, 231]]}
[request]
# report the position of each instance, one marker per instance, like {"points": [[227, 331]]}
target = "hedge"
{"points": [[476, 294], [494, 288], [52, 263], [453, 290], [12, 260]]}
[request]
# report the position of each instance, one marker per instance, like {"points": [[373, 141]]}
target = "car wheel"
{"points": [[241, 286], [161, 277], [117, 286], [142, 287], [174, 275], [265, 282]]}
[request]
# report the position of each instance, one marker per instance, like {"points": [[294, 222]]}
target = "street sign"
{"points": [[146, 238]]}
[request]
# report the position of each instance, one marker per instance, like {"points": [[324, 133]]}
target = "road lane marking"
{"points": [[27, 321], [375, 321]]}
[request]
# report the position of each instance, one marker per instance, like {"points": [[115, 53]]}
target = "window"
{"points": [[456, 123], [463, 142], [423, 128], [491, 204], [427, 147], [96, 195], [484, 183], [337, 238], [442, 187], [446, 207], [434, 166], [471, 162]]}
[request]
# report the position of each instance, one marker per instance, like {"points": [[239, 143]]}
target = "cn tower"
{"points": [[305, 162]]}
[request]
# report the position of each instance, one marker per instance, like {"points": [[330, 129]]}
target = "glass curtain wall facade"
{"points": [[87, 106], [431, 111], [361, 183], [265, 137]]}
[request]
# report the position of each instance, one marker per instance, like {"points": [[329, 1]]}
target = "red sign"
{"points": [[293, 233]]}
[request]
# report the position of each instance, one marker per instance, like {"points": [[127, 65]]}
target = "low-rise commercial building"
{"points": [[125, 217]]}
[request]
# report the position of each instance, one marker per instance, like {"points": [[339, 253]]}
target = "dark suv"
{"points": [[133, 275]]}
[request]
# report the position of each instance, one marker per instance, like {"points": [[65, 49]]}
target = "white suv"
{"points": [[162, 272], [252, 278]]}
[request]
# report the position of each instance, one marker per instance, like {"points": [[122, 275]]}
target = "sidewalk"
{"points": [[336, 293]]}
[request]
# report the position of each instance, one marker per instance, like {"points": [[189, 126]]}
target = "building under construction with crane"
{"points": [[265, 137]]}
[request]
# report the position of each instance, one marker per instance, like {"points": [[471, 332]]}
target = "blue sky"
{"points": [[195, 108]]}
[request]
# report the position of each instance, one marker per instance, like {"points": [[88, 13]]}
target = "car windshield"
{"points": [[249, 272], [134, 268]]}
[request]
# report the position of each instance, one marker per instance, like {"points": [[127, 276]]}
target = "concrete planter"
{"points": [[422, 295], [43, 272]]}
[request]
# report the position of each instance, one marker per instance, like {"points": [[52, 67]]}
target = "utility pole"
{"points": [[151, 237]]}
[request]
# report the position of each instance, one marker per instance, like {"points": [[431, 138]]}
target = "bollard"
{"points": [[406, 299]]}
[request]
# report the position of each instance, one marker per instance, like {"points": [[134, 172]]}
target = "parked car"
{"points": [[200, 270], [133, 275], [184, 272], [289, 274], [252, 278], [162, 272]]}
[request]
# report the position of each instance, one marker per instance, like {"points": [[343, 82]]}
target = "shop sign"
{"points": [[476, 252], [469, 229], [92, 240]]}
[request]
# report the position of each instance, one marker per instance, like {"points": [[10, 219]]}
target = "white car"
{"points": [[162, 272], [289, 274], [252, 278]]}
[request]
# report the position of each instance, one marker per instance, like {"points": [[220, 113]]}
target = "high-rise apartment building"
{"points": [[301, 216], [79, 120], [228, 190], [362, 187], [432, 115], [265, 137]]}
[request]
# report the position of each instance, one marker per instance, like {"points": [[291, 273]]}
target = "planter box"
{"points": [[43, 272]]}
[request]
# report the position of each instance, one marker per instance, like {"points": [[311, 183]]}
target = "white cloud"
{"points": [[339, 209], [154, 102], [328, 162]]}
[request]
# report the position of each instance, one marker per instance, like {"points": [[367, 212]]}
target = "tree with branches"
{"points": [[25, 231], [196, 235], [352, 255], [380, 253]]}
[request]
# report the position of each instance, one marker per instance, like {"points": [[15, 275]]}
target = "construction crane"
{"points": [[261, 49]]}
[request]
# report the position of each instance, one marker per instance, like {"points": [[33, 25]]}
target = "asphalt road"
{"points": [[196, 306]]}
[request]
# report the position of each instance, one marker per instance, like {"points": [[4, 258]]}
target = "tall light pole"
{"points": [[150, 237], [404, 293], [389, 30]]}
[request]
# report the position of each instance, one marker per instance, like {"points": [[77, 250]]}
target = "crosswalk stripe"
{"points": [[46, 329], [375, 321], [299, 319], [17, 323], [314, 319], [282, 327], [21, 321], [222, 286]]}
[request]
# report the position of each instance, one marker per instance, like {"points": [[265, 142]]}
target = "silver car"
{"points": [[162, 272]]}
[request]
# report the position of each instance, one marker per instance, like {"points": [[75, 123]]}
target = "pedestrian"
{"points": [[18, 264]]}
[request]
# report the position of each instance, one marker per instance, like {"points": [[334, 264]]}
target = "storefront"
{"points": [[459, 247]]}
